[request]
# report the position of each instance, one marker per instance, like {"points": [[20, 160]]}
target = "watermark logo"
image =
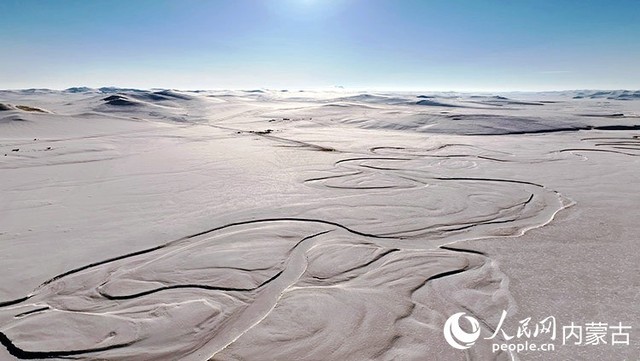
{"points": [[534, 336], [456, 336]]}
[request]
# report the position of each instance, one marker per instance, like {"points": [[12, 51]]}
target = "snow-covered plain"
{"points": [[273, 225]]}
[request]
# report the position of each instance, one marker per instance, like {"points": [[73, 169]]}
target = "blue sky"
{"points": [[360, 44]]}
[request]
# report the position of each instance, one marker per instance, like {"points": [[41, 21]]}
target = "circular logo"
{"points": [[456, 336]]}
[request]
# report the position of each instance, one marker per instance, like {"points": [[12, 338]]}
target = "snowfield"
{"points": [[313, 225]]}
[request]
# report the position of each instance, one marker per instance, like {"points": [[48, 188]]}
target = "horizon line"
{"points": [[325, 89]]}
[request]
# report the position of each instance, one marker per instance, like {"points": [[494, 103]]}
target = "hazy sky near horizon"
{"points": [[362, 44]]}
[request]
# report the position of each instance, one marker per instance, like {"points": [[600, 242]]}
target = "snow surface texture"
{"points": [[268, 225]]}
